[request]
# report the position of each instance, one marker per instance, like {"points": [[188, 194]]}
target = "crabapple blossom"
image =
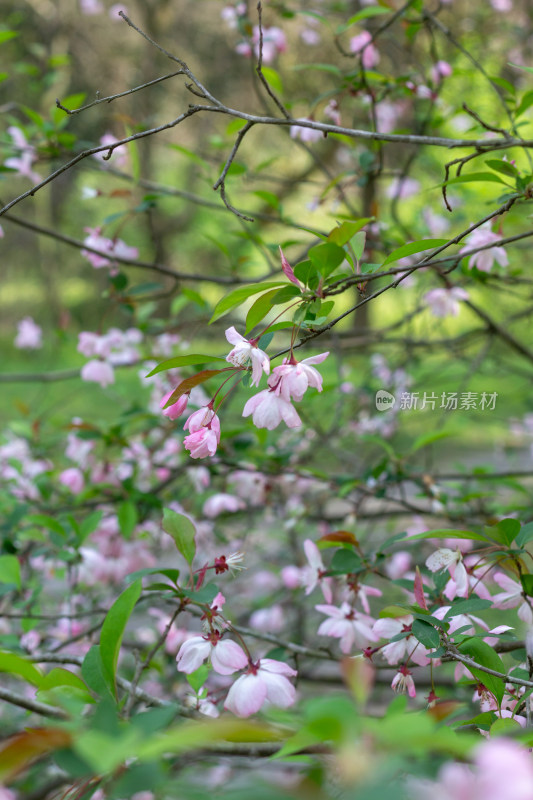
{"points": [[120, 154], [268, 410], [72, 478], [444, 558], [96, 371], [362, 43], [204, 433], [269, 620], [403, 682], [292, 379], [29, 335], [113, 247], [91, 7], [402, 188], [274, 42], [403, 649], [247, 350], [265, 682], [25, 158], [440, 70], [444, 302], [176, 409], [226, 656], [314, 574], [307, 135], [512, 596], [331, 111], [220, 503], [484, 260], [348, 625]]}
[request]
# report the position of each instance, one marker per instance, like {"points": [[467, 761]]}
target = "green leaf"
{"points": [[5, 36], [62, 677], [189, 383], [15, 665], [525, 103], [127, 518], [505, 531], [197, 678], [269, 197], [506, 726], [113, 630], [413, 247], [184, 361], [425, 633], [90, 524], [326, 257], [502, 166], [10, 570], [273, 78], [44, 521], [344, 232], [306, 273], [371, 11], [182, 531], [260, 308], [188, 153], [467, 605], [446, 533], [484, 655], [345, 561], [168, 572], [525, 535], [474, 177], [527, 583], [238, 296], [429, 438]]}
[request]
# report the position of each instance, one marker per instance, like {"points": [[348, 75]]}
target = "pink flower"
{"points": [[444, 558], [402, 188], [403, 682], [204, 436], [226, 656], [91, 7], [268, 409], [288, 270], [362, 44], [274, 42], [403, 649], [113, 13], [443, 302], [109, 246], [25, 158], [440, 70], [292, 379], [265, 681], [120, 154], [72, 478], [307, 135], [502, 5], [512, 596], [348, 625], [96, 371], [29, 335], [176, 409], [332, 112], [484, 260], [269, 620], [313, 575], [246, 350], [220, 503]]}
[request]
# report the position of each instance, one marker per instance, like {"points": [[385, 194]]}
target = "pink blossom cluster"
{"points": [[274, 43], [106, 351], [108, 249], [26, 156], [445, 302], [119, 155], [29, 335]]}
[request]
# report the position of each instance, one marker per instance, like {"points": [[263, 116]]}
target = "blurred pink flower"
{"points": [[96, 371], [445, 302], [29, 335], [91, 7], [484, 260], [111, 247], [313, 575], [72, 478], [440, 70], [24, 159], [265, 681], [512, 596], [119, 156], [307, 135], [362, 44], [332, 112], [348, 625], [402, 188], [220, 503]]}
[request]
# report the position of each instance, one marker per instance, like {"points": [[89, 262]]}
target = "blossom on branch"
{"points": [[484, 260], [204, 433], [268, 409], [226, 656], [348, 625], [29, 335], [247, 350], [445, 302], [265, 682]]}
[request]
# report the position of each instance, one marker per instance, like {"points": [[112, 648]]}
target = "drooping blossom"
{"points": [[246, 350], [29, 335], [445, 302], [350, 626], [226, 656], [231, 562], [405, 649], [119, 155], [204, 433], [110, 247], [440, 70], [268, 409], [403, 682], [362, 43], [512, 596], [484, 260], [332, 112], [25, 156], [176, 409], [292, 379], [265, 682], [305, 134], [222, 503], [444, 558], [313, 574]]}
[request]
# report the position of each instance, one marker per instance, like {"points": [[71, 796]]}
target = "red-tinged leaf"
{"points": [[444, 709], [189, 383], [419, 590], [340, 536], [18, 751]]}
